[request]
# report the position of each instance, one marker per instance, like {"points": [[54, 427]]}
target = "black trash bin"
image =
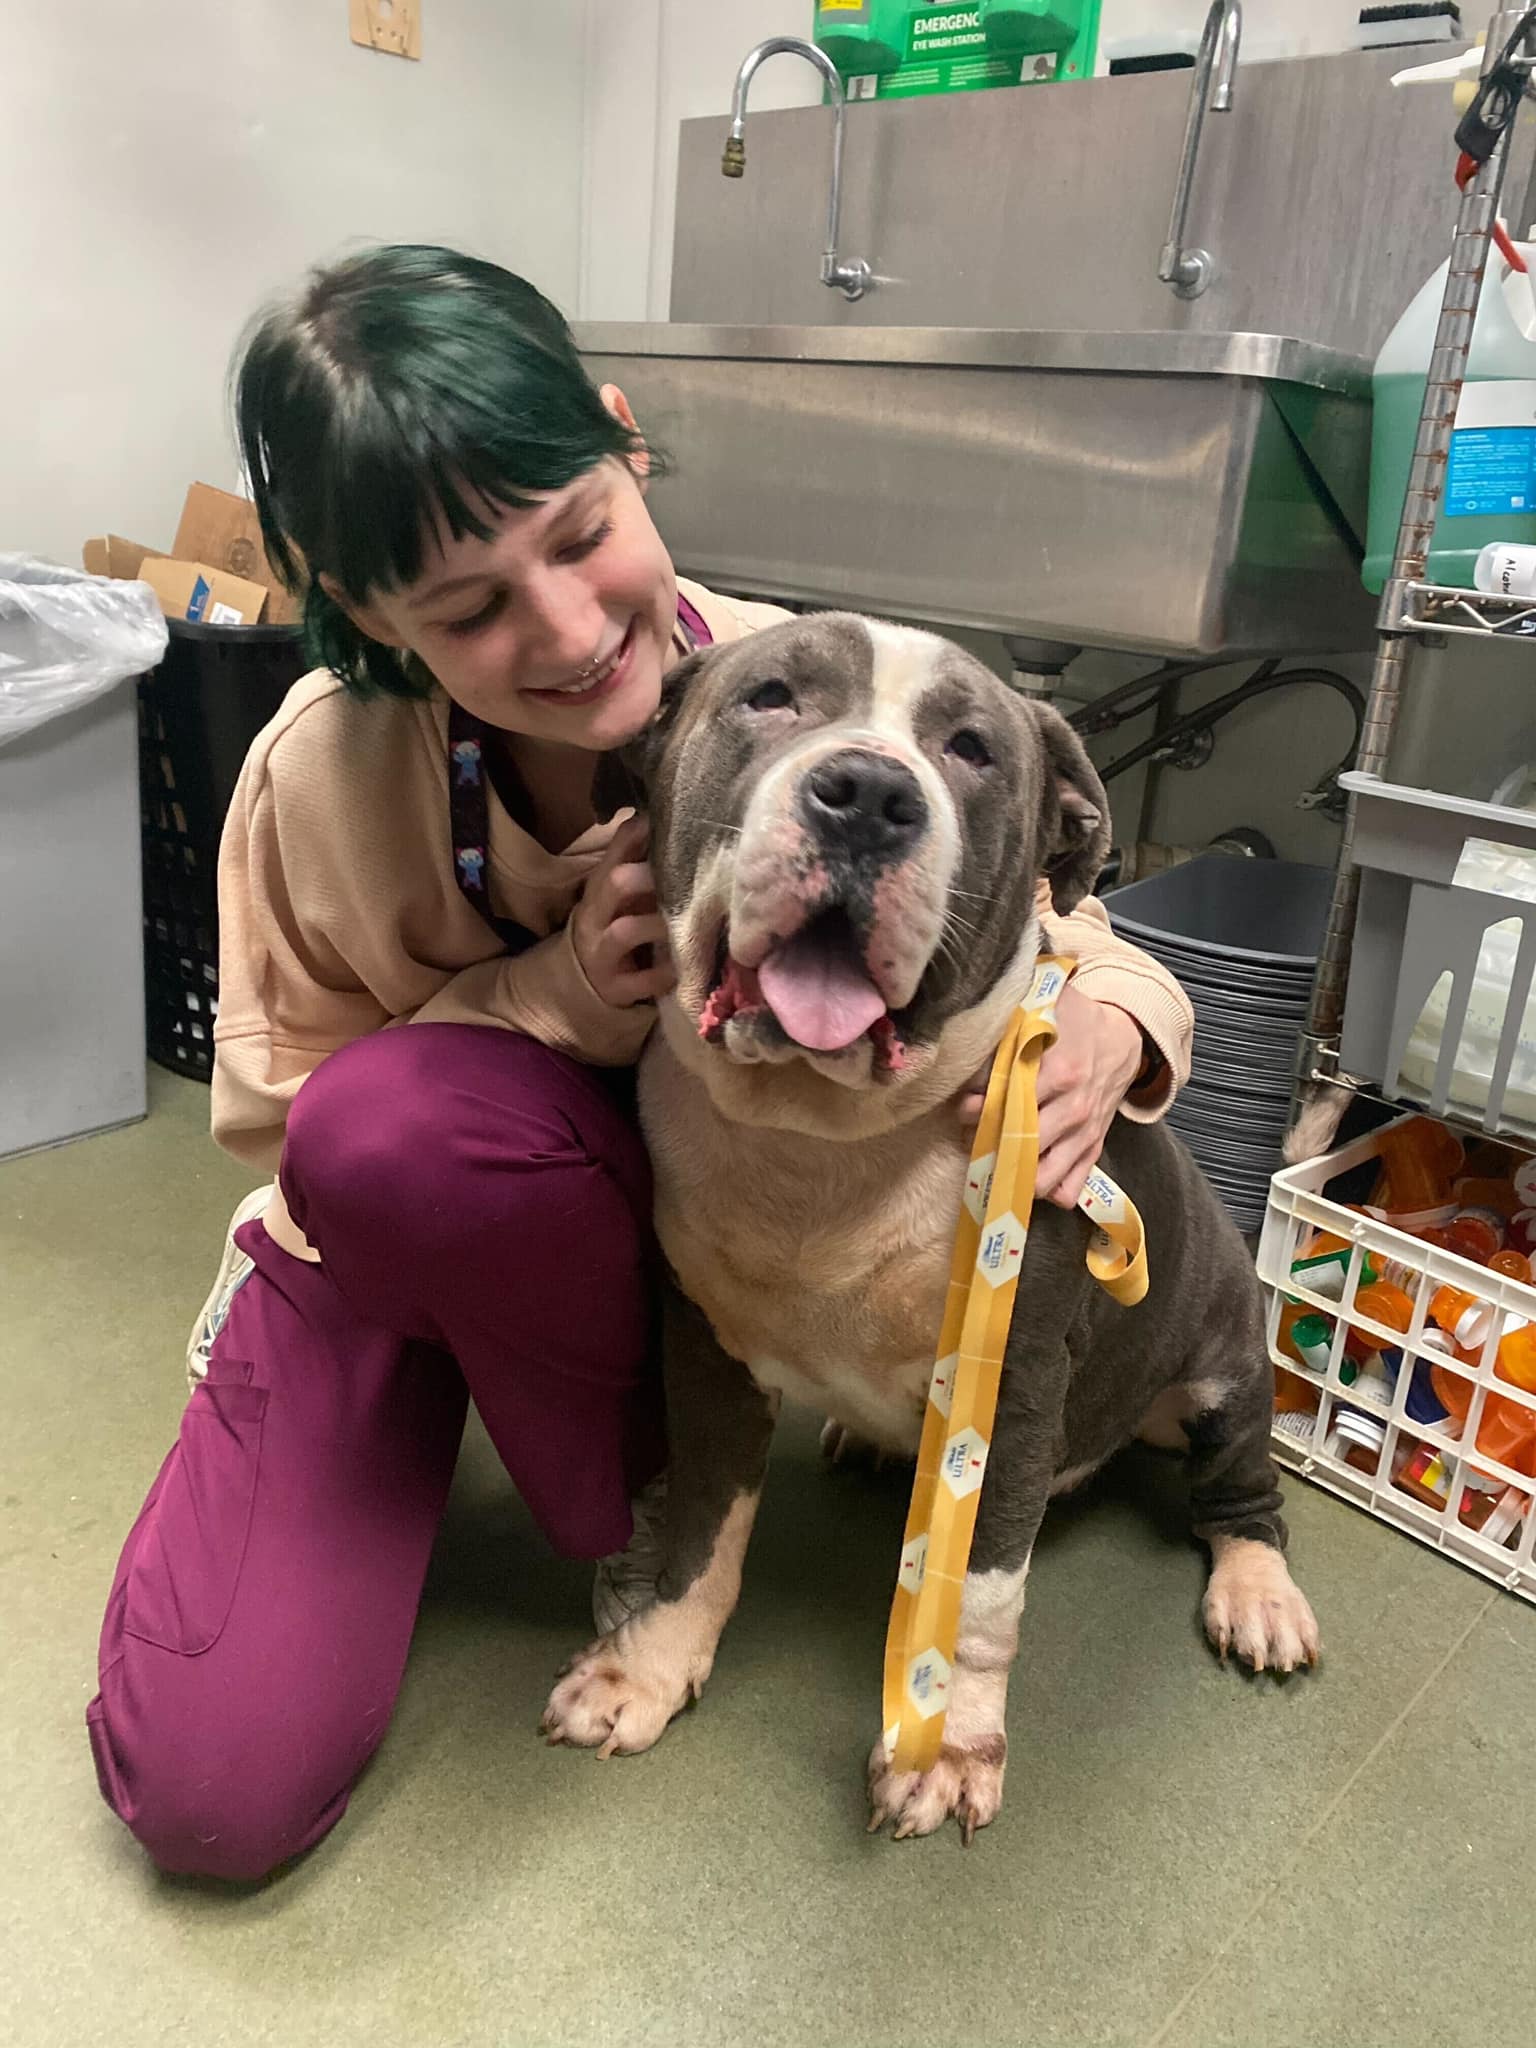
{"points": [[198, 713]]}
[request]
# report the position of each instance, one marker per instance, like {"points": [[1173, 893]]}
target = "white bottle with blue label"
{"points": [[1490, 482]]}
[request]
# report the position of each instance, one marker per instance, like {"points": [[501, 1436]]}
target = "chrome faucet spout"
{"points": [[849, 275], [1188, 271]]}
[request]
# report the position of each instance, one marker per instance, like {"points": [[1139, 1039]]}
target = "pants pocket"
{"points": [[186, 1566]]}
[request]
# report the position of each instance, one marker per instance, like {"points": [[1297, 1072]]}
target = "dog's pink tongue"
{"points": [[819, 992]]}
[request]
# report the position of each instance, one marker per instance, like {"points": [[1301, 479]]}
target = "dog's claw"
{"points": [[604, 1704], [1254, 1609], [965, 1785]]}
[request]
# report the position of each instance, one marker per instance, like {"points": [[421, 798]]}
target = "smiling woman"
{"points": [[410, 399], [463, 1205]]}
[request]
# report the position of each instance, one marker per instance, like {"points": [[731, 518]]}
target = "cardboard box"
{"points": [[216, 572], [198, 591], [221, 529], [111, 555]]}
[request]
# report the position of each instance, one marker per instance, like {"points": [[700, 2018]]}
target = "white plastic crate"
{"points": [[1298, 1207], [1419, 927]]}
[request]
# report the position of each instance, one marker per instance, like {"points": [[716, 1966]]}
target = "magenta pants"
{"points": [[481, 1207]]}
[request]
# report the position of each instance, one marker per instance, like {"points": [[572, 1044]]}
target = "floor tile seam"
{"points": [[1270, 1893]]}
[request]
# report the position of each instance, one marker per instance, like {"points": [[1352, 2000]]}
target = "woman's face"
{"points": [[559, 627]]}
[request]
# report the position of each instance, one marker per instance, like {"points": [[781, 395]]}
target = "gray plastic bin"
{"points": [[1242, 937], [1415, 924], [71, 944], [1222, 911]]}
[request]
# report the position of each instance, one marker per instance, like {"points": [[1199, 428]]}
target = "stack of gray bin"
{"points": [[1242, 936]]}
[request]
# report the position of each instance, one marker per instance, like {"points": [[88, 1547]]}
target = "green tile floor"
{"points": [[1186, 1858]]}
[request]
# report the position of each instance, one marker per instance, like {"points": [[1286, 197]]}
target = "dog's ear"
{"points": [[1076, 827], [622, 779]]}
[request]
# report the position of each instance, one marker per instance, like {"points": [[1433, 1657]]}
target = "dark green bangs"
{"points": [[407, 391]]}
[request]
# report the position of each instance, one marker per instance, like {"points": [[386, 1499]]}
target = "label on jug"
{"points": [[1492, 467]]}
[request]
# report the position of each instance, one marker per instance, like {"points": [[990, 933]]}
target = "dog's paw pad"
{"points": [[967, 1783], [1255, 1611], [604, 1701]]}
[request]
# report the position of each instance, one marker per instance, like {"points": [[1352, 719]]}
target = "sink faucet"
{"points": [[851, 277], [1189, 270]]}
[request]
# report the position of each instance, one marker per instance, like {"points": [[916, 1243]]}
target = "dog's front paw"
{"points": [[966, 1782], [618, 1696], [1255, 1609]]}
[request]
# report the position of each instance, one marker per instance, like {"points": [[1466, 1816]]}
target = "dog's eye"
{"points": [[969, 746], [774, 695]]}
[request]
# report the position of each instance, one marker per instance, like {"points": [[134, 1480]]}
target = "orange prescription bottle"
{"points": [[1463, 1317], [1421, 1471], [1517, 1358], [1382, 1302], [1422, 1159], [1507, 1432], [1293, 1396], [1472, 1237], [1489, 1507], [1386, 1303], [1496, 1195]]}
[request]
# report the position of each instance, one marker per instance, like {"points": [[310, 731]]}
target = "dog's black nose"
{"points": [[865, 802]]}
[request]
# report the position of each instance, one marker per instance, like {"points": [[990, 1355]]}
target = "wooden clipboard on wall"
{"points": [[392, 27]]}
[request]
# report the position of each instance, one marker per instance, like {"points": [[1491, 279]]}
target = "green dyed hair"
{"points": [[406, 391]]}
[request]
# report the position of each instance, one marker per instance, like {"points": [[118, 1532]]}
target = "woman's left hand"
{"points": [[1084, 1078]]}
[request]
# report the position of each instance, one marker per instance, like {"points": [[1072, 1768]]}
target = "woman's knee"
{"points": [[402, 1126], [212, 1798]]}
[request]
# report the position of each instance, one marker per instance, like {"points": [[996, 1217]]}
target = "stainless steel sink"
{"points": [[1174, 493]]}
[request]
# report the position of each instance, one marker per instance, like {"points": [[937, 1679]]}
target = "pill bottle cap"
{"points": [[1481, 1482], [1505, 1517], [1360, 1429], [1473, 1325]]}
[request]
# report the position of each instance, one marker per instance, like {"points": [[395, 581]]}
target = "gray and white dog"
{"points": [[849, 821]]}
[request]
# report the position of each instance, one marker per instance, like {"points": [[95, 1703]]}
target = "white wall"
{"points": [[166, 167], [1271, 28], [652, 64]]}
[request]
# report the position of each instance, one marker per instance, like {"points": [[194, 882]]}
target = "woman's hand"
{"points": [[619, 934], [1084, 1078]]}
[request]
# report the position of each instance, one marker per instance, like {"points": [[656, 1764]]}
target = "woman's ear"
{"points": [[619, 406], [366, 617]]}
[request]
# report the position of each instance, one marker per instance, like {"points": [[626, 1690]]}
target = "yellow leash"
{"points": [[962, 1396]]}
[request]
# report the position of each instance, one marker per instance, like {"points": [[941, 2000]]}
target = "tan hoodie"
{"points": [[339, 912]]}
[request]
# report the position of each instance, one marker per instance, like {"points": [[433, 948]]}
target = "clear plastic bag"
{"points": [[66, 638]]}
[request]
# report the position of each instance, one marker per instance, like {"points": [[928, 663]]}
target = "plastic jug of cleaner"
{"points": [[1490, 482]]}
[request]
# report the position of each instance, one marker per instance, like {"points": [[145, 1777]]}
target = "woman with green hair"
{"points": [[435, 963]]}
